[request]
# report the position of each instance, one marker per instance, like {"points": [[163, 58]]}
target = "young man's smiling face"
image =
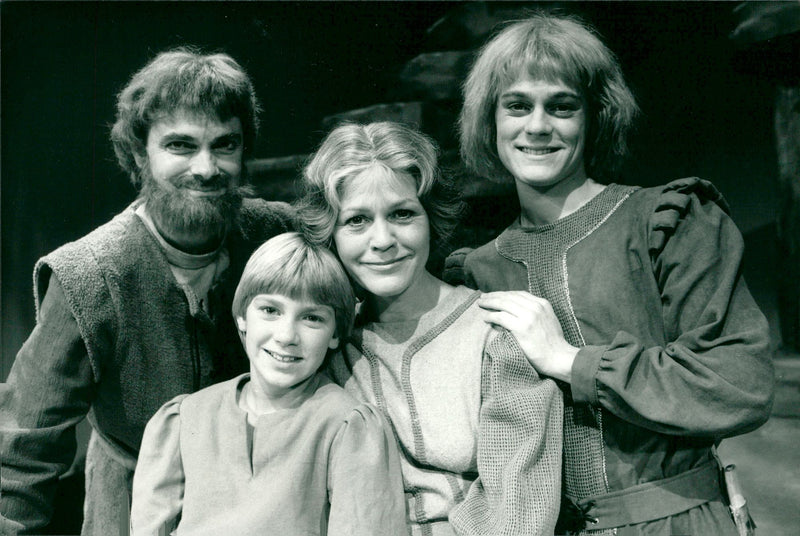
{"points": [[541, 132]]}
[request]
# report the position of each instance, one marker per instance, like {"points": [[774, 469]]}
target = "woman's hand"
{"points": [[534, 324]]}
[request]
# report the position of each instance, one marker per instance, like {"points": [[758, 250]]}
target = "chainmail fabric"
{"points": [[543, 250]]}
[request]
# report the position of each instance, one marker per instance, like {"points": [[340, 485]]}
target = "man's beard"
{"points": [[177, 210]]}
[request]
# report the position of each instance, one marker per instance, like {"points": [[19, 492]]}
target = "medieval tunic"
{"points": [[674, 353], [479, 431], [328, 466]]}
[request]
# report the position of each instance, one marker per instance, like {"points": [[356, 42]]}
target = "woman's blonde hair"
{"points": [[351, 149]]}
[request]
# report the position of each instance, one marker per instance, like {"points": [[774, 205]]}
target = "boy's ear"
{"points": [[241, 324], [334, 344]]}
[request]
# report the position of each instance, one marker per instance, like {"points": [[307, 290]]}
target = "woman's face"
{"points": [[382, 234], [541, 132]]}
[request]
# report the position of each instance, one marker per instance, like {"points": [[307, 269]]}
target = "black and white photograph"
{"points": [[426, 268]]}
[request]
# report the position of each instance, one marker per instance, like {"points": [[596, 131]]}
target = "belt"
{"points": [[653, 500]]}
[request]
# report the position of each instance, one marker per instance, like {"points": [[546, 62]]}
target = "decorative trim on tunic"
{"points": [[545, 247], [375, 377]]}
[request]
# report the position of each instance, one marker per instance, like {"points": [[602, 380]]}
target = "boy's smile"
{"points": [[286, 341], [283, 358]]}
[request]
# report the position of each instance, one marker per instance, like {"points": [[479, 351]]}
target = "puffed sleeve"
{"points": [[715, 377], [454, 271], [158, 481], [365, 485], [518, 488]]}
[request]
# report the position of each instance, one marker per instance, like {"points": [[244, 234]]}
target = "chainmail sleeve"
{"points": [[519, 449]]}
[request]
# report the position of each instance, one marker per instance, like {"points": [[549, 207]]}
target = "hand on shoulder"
{"points": [[534, 325]]}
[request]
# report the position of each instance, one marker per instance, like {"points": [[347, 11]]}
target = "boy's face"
{"points": [[286, 340]]}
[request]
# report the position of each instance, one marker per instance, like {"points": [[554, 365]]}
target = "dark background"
{"points": [[63, 63], [707, 109]]}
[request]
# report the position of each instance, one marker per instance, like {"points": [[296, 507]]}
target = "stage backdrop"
{"points": [[63, 63]]}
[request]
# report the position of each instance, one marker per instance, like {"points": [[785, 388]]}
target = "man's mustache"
{"points": [[217, 182]]}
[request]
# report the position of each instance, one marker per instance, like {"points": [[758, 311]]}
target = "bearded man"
{"points": [[138, 311]]}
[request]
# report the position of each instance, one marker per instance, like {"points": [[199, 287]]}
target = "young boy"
{"points": [[281, 450]]}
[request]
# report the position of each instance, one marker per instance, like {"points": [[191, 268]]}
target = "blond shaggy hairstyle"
{"points": [[556, 48]]}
